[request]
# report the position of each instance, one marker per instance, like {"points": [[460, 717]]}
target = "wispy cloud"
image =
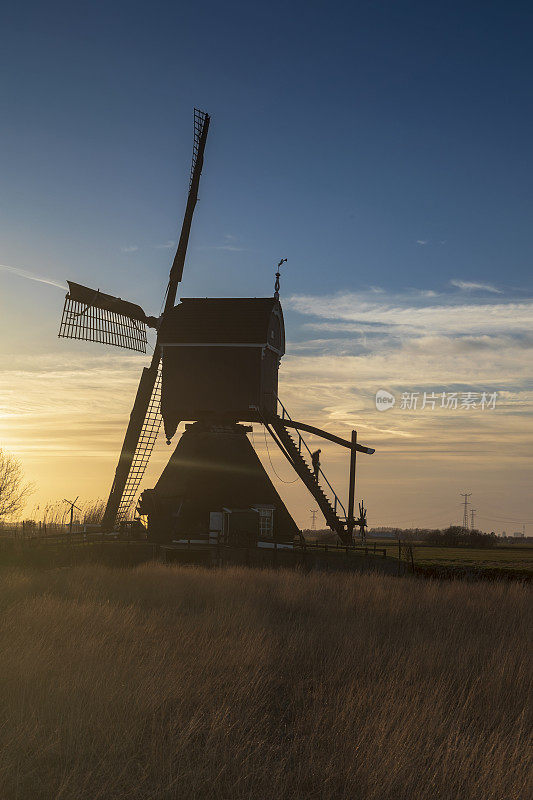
{"points": [[231, 247], [24, 273], [130, 248], [416, 313], [471, 286], [230, 243], [166, 245], [421, 242], [419, 345]]}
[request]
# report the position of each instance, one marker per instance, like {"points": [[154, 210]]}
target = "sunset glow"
{"points": [[395, 187]]}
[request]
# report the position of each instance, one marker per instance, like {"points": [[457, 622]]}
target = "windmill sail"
{"points": [[201, 124], [145, 417], [141, 434], [93, 316], [143, 450], [201, 128]]}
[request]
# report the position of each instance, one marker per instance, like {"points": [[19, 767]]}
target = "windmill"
{"points": [[216, 364], [72, 504]]}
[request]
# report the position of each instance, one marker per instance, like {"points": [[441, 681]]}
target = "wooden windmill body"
{"points": [[215, 365]]}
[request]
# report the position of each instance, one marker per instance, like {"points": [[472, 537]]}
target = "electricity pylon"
{"points": [[465, 511]]}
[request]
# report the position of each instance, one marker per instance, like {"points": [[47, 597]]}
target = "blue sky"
{"points": [[342, 135], [383, 147]]}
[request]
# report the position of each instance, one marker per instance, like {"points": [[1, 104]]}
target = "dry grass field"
{"points": [[163, 682]]}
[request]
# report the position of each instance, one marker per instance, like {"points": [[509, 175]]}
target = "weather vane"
{"points": [[276, 285]]}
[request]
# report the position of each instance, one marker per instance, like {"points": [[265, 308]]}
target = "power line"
{"points": [[498, 518]]}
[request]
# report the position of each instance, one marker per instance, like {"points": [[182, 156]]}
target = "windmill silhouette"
{"points": [[215, 365]]}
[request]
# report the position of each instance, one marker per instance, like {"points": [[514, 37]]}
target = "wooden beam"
{"points": [[289, 423], [351, 486]]}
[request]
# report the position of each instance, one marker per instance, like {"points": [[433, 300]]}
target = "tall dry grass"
{"points": [[164, 682]]}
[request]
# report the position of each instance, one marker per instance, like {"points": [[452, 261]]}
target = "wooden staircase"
{"points": [[331, 508]]}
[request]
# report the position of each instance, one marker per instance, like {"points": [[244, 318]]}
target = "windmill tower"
{"points": [[215, 366]]}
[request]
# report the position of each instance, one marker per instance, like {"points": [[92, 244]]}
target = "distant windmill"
{"points": [[215, 364], [72, 504]]}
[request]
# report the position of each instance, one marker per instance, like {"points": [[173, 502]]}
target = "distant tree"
{"points": [[455, 536], [13, 490]]}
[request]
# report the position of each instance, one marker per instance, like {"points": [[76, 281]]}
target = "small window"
{"points": [[275, 331], [266, 522]]}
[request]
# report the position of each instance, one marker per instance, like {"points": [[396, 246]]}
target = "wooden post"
{"points": [[351, 489], [399, 556]]}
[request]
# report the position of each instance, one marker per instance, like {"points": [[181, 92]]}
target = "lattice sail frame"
{"points": [[93, 324], [143, 451], [199, 121]]}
